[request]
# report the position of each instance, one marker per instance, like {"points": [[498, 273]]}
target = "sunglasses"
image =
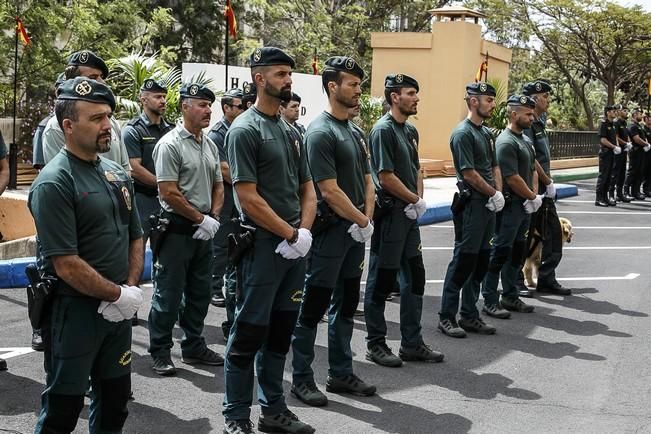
{"points": [[240, 106]]}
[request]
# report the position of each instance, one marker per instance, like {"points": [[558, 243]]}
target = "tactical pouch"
{"points": [[384, 203], [325, 217], [39, 295], [240, 241]]}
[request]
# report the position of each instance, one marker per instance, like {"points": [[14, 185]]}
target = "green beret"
{"points": [[234, 93], [90, 59], [393, 81], [85, 89], [480, 88], [538, 86], [610, 107], [267, 56], [196, 91], [521, 100], [151, 85], [345, 64], [60, 79]]}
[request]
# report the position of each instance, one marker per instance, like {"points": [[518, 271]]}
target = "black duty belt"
{"points": [[179, 224]]}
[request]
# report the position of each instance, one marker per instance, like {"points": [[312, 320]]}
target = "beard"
{"points": [[523, 125], [103, 143], [484, 114], [284, 94], [347, 102], [408, 111]]}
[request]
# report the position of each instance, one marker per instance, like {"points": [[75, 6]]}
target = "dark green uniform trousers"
{"points": [[182, 282], [83, 345]]}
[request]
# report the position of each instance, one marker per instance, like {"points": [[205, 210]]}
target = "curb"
{"points": [[575, 176], [440, 211]]}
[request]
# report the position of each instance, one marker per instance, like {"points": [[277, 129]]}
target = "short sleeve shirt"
{"points": [[473, 148], [608, 131], [622, 131], [394, 148], [336, 151], [37, 143], [636, 129], [194, 166], [538, 136], [218, 134], [140, 136], [87, 209], [515, 156], [262, 150]]}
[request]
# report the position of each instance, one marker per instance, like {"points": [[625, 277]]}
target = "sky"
{"points": [[646, 4]]}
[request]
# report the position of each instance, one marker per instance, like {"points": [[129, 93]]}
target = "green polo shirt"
{"points": [[193, 165], [473, 148], [261, 150], [538, 135], [87, 209], [394, 148], [335, 152], [515, 156]]}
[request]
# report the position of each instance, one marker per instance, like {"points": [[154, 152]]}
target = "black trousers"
{"points": [[552, 244], [618, 174], [605, 171], [634, 175], [646, 172]]}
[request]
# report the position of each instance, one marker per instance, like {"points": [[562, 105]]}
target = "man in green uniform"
{"points": [[140, 135], [641, 147], [86, 64], [516, 158], [646, 186], [619, 168], [191, 195], [275, 194], [4, 182], [231, 105], [396, 245], [90, 239], [609, 149], [479, 198], [338, 160], [290, 112]]}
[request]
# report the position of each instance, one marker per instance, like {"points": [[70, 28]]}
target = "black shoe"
{"points": [[164, 366], [283, 422], [218, 300], [37, 341], [205, 357], [516, 305], [382, 355], [601, 202], [476, 325], [3, 365], [640, 196], [625, 198], [525, 292], [240, 426], [134, 320], [554, 288], [422, 353], [612, 202], [351, 384], [647, 193], [309, 394]]}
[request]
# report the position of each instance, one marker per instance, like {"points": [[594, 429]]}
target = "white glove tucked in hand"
{"points": [[495, 202], [629, 146], [617, 150], [298, 249], [647, 148], [550, 190], [532, 205], [361, 235], [207, 229], [411, 212], [124, 307]]}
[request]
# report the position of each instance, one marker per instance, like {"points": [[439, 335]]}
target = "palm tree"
{"points": [[499, 118]]}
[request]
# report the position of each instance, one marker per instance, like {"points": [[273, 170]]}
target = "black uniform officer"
{"points": [[4, 181], [618, 176], [38, 160], [609, 149], [223, 277], [637, 155], [90, 239], [275, 194], [646, 187]]}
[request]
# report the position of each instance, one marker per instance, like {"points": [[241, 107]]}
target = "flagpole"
{"points": [[13, 148], [486, 72], [226, 50]]}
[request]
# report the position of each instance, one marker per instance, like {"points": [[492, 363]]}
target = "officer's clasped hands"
{"points": [[495, 202], [206, 229], [124, 307], [550, 190], [532, 205], [416, 210], [629, 146], [359, 234], [297, 249], [617, 150], [647, 148]]}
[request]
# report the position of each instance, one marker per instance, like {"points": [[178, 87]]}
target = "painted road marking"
{"points": [[562, 212], [629, 276], [573, 227], [8, 353], [564, 248]]}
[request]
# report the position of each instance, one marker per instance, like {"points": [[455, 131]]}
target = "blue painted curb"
{"points": [[440, 211]]}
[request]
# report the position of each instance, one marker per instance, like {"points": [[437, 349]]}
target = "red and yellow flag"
{"points": [[22, 32], [230, 19], [483, 69], [315, 69]]}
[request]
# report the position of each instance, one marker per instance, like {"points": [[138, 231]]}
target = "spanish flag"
{"points": [[230, 19], [22, 32], [315, 69], [483, 69]]}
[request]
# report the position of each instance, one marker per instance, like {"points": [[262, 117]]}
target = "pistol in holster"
{"points": [[39, 294], [384, 203], [325, 217], [159, 230], [240, 241], [461, 198]]}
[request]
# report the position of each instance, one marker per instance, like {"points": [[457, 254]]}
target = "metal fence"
{"points": [[573, 144]]}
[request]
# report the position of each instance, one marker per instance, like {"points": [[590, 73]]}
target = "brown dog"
{"points": [[532, 263]]}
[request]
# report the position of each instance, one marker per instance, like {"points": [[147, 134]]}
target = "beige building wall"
{"points": [[443, 62]]}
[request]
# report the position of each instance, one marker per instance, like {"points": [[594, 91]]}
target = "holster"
{"points": [[159, 231], [39, 294], [325, 217], [384, 203], [239, 241], [461, 198]]}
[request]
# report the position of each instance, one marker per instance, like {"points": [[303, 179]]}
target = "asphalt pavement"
{"points": [[578, 364]]}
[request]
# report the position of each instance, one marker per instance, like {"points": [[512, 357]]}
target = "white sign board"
{"points": [[307, 86]]}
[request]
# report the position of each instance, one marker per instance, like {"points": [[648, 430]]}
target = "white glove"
{"points": [[629, 146], [550, 190], [298, 249], [420, 207], [411, 212], [532, 205], [495, 202], [361, 235], [201, 234], [647, 148], [124, 307], [617, 150], [208, 227]]}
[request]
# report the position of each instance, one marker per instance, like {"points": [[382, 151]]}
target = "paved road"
{"points": [[579, 364]]}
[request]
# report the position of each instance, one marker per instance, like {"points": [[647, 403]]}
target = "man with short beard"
{"points": [[516, 158], [338, 158], [274, 194], [474, 208], [86, 64], [396, 243], [290, 112], [191, 195], [636, 167]]}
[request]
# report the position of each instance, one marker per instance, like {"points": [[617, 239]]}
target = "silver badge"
{"points": [[149, 84], [399, 78], [523, 100], [350, 63], [194, 89], [538, 86], [83, 57], [83, 88], [246, 88], [483, 87], [257, 54]]}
